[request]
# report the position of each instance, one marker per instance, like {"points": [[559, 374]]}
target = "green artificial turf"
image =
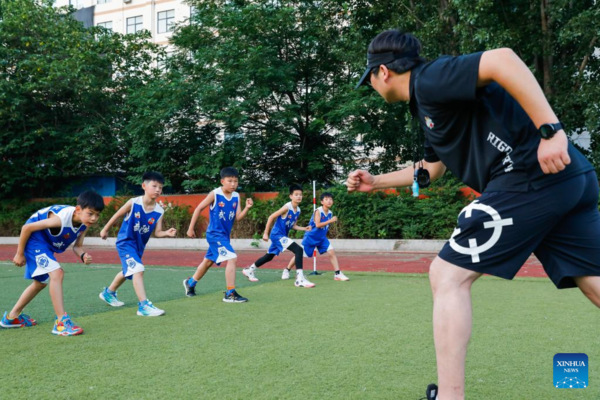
{"points": [[366, 338]]}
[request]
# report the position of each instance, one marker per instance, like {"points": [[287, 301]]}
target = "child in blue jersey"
{"points": [[48, 231], [225, 209], [143, 217], [283, 220], [316, 238]]}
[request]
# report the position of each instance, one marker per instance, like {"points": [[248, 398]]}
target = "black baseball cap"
{"points": [[375, 60]]}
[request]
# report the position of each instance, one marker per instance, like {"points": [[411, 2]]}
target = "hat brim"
{"points": [[363, 78]]}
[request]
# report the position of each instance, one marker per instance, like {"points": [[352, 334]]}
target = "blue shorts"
{"points": [[40, 261], [219, 251], [279, 244], [560, 224], [323, 246], [131, 261]]}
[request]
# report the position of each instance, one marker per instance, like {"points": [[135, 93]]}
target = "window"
{"points": [[166, 21], [107, 25], [135, 24], [104, 1]]}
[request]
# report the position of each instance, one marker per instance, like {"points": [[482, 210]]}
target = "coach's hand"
{"points": [[553, 154], [266, 237], [360, 181], [191, 233], [19, 260]]}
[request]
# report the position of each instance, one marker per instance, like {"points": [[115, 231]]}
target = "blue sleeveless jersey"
{"points": [[317, 234], [68, 233], [284, 223], [138, 225], [222, 215]]}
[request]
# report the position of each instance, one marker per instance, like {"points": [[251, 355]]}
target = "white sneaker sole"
{"points": [[341, 279], [305, 286], [118, 304], [162, 312], [10, 326]]}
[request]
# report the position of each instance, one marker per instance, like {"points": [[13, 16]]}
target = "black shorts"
{"points": [[560, 224]]}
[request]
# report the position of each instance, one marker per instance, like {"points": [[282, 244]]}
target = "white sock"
{"points": [[299, 273], [252, 267]]}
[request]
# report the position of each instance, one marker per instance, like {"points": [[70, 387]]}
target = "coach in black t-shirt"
{"points": [[486, 119]]}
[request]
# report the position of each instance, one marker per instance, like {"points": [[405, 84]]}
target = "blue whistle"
{"points": [[415, 188]]}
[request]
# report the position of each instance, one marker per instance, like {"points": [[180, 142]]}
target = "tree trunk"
{"points": [[547, 59]]}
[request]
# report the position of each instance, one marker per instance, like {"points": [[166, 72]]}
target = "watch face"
{"points": [[547, 131]]}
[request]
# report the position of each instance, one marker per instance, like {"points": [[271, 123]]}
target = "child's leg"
{"points": [[117, 282], [298, 257], [26, 297], [230, 273], [138, 286], [291, 263], [202, 268], [333, 259], [56, 291], [263, 260]]}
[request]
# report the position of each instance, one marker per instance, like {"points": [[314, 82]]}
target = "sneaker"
{"points": [[234, 297], [189, 291], [147, 309], [110, 298], [249, 273], [21, 321], [286, 274], [66, 327], [301, 281], [340, 277], [431, 392]]}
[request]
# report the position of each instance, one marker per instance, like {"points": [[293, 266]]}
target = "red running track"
{"points": [[414, 263]]}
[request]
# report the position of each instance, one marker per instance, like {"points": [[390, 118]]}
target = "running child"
{"points": [[283, 219], [225, 209], [143, 217], [316, 238], [51, 230]]}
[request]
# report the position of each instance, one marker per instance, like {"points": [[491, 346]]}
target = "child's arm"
{"points": [[86, 258], [159, 233], [241, 215], [320, 224], [302, 228], [51, 222], [203, 204], [122, 211], [271, 220]]}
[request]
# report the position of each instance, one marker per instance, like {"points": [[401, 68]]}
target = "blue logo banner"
{"points": [[571, 371]]}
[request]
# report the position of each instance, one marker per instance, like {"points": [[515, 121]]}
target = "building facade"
{"points": [[130, 16]]}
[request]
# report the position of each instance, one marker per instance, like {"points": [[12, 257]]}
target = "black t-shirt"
{"points": [[481, 134]]}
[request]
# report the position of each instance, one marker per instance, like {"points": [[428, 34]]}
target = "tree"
{"points": [[62, 94], [271, 76]]}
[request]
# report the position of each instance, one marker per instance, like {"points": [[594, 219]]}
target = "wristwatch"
{"points": [[547, 131]]}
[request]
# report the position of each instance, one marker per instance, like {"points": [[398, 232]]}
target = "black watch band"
{"points": [[547, 131]]}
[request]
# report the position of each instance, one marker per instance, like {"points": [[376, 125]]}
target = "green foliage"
{"points": [[63, 90]]}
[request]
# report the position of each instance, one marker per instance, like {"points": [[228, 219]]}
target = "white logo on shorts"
{"points": [[222, 251], [497, 223], [42, 261], [131, 263]]}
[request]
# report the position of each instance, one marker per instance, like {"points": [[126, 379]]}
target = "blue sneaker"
{"points": [[66, 327], [110, 298], [21, 321], [147, 309]]}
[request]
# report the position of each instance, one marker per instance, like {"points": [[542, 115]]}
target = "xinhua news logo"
{"points": [[571, 371]]}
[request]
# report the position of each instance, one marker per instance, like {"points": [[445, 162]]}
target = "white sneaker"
{"points": [[286, 274], [340, 277], [249, 273], [149, 310], [301, 281]]}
